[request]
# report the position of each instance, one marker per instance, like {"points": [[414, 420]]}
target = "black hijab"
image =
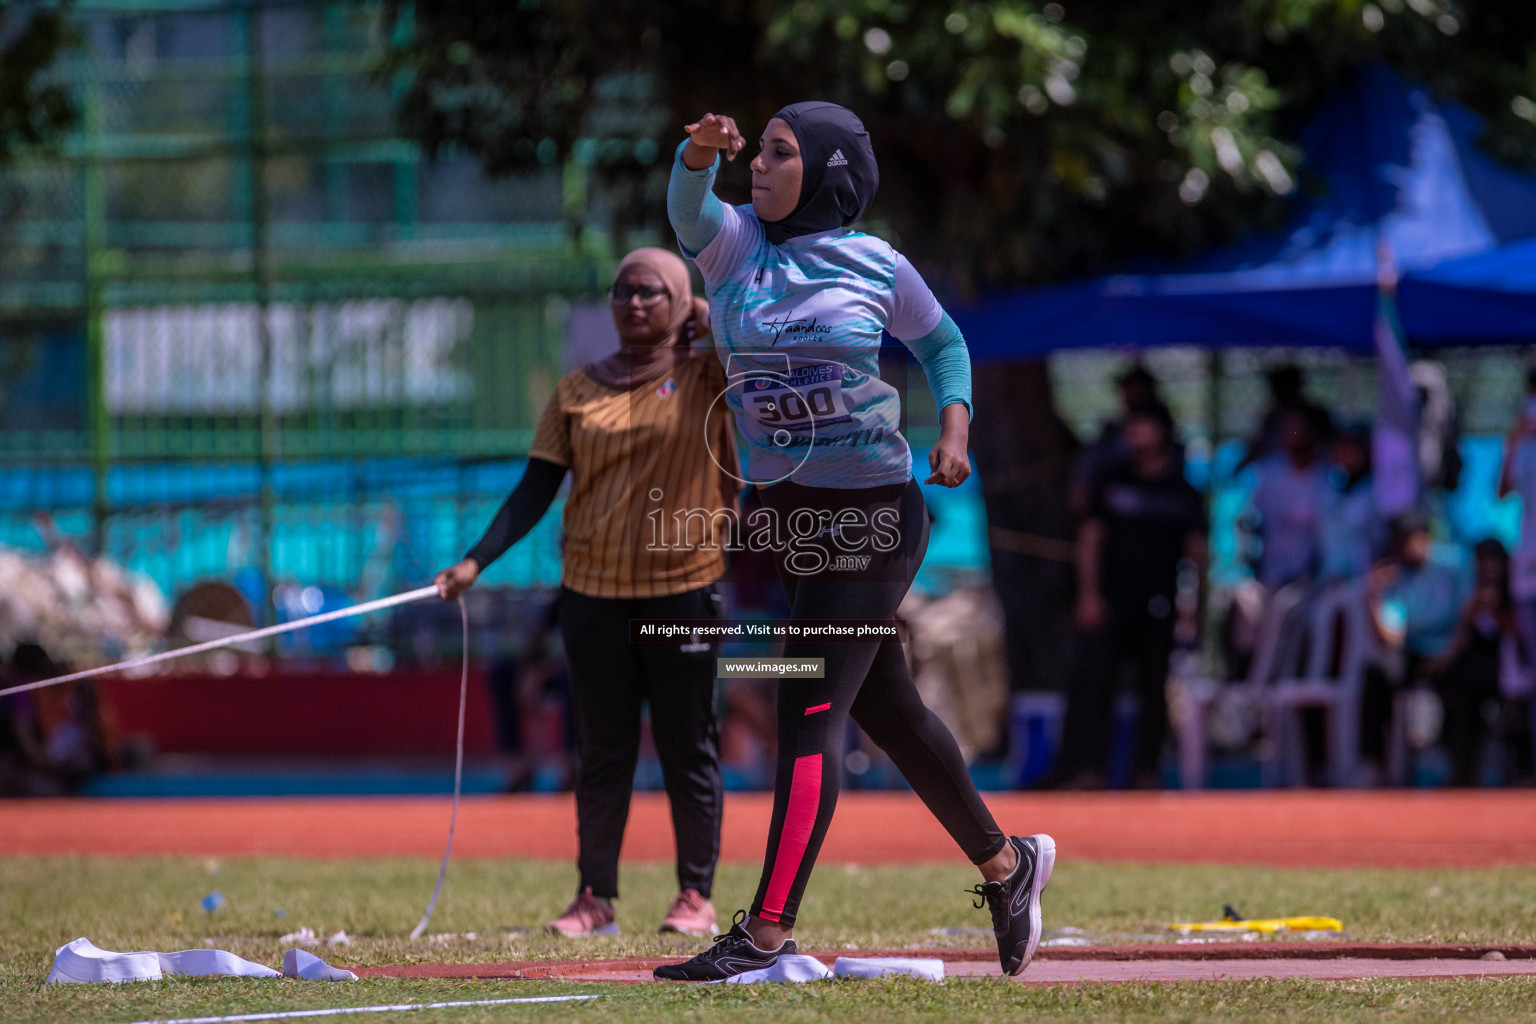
{"points": [[839, 175]]}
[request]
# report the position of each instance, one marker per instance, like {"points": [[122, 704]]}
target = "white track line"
{"points": [[389, 1008]]}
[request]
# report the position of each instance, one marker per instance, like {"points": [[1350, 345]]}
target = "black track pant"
{"points": [[868, 681], [1131, 634], [610, 677]]}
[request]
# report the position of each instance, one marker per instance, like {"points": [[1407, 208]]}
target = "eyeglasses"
{"points": [[620, 294]]}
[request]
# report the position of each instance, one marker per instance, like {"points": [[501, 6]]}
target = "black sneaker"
{"points": [[1015, 901], [732, 954]]}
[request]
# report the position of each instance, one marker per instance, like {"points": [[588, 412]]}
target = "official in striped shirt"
{"points": [[653, 464]]}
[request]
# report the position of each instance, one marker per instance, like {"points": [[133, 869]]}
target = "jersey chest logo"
{"points": [[810, 327], [667, 388]]}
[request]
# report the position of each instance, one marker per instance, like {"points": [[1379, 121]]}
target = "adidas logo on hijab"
{"points": [[840, 174]]}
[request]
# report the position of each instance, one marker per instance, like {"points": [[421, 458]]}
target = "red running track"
{"points": [[1303, 828]]}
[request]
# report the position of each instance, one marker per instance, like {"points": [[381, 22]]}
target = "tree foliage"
{"points": [[35, 109], [1018, 140]]}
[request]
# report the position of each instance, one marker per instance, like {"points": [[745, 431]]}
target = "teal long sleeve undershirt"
{"points": [[692, 206], [946, 362]]}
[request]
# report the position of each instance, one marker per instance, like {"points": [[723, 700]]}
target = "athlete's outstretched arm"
{"points": [[918, 321], [521, 512], [946, 363], [696, 213]]}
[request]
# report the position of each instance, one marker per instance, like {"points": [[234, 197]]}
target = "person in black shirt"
{"points": [[1137, 388], [1143, 519]]}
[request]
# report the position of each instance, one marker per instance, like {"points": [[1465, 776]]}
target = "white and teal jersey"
{"points": [[798, 327]]}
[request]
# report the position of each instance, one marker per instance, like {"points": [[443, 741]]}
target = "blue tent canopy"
{"points": [[1488, 297], [1396, 167]]}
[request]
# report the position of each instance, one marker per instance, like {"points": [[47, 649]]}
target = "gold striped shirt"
{"points": [[649, 501]]}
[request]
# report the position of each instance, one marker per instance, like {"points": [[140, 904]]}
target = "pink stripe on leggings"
{"points": [[799, 822]]}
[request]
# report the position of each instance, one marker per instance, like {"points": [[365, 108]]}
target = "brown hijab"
{"points": [[636, 362]]}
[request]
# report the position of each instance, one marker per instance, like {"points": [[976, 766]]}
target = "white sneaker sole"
{"points": [[1045, 863]]}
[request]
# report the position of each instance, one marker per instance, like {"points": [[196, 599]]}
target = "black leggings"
{"points": [[868, 681], [610, 676]]}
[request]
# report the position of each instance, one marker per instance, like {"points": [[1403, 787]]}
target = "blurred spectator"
{"points": [[528, 690], [21, 746], [1439, 429], [1290, 497], [1353, 531], [51, 740], [1518, 476], [1287, 394], [957, 658], [1467, 673], [1415, 604], [1144, 519], [1137, 389]]}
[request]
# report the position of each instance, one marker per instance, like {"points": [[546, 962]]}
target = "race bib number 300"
{"points": [[810, 394]]}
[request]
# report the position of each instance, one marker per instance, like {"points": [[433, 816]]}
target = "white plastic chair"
{"points": [[1193, 704], [1338, 646]]}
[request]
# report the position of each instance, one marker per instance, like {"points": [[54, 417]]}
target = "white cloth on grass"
{"points": [[789, 968], [299, 963], [81, 961], [801, 968], [888, 967]]}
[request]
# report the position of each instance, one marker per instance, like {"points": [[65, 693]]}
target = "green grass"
{"points": [[151, 903], [895, 1001]]}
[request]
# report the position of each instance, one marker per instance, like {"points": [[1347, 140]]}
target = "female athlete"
{"points": [[798, 302]]}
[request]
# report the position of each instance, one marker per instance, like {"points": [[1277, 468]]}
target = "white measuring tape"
{"points": [[419, 594], [458, 777], [391, 1008]]}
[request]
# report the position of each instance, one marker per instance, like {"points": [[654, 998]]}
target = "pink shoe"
{"points": [[587, 915], [690, 914]]}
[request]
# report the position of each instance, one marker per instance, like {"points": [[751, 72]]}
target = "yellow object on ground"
{"points": [[1233, 922]]}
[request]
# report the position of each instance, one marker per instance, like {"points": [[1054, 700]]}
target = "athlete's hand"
{"points": [[949, 460], [714, 131], [456, 579]]}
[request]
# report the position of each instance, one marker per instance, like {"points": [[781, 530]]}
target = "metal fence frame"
{"points": [[517, 278]]}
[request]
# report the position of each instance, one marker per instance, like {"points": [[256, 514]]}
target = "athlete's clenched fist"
{"points": [[709, 133]]}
